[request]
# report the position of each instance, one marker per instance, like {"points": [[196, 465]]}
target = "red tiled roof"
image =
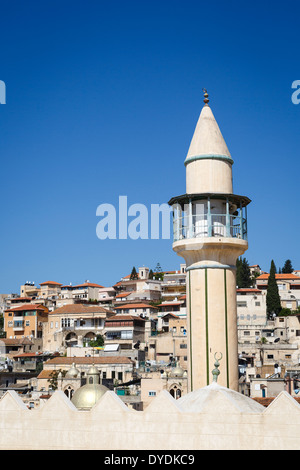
{"points": [[88, 360], [29, 354], [266, 401], [27, 307], [171, 315], [249, 290], [277, 276], [16, 342], [50, 283], [121, 317], [88, 284], [130, 306], [80, 308]]}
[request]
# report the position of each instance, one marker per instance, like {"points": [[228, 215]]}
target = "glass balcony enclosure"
{"points": [[209, 215]]}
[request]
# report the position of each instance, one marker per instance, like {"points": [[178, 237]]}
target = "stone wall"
{"points": [[111, 425]]}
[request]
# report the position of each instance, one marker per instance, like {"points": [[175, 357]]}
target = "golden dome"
{"points": [[177, 372], [87, 396]]}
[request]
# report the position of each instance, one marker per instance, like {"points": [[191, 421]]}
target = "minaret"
{"points": [[210, 233]]}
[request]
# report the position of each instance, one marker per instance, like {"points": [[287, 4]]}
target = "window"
{"points": [[120, 375], [257, 304], [183, 346], [126, 334], [152, 393], [242, 304], [246, 333]]}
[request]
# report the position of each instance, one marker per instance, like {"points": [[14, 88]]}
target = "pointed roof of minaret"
{"points": [[207, 141]]}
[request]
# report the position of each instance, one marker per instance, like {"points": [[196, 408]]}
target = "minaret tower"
{"points": [[210, 233]]}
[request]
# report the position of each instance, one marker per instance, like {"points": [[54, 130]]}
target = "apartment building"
{"points": [[126, 331], [142, 288], [174, 284], [252, 315], [26, 320], [138, 309], [288, 288], [74, 325]]}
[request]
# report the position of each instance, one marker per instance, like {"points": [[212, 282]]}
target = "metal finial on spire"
{"points": [[216, 371], [206, 100]]}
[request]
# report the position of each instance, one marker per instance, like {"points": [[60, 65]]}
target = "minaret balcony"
{"points": [[209, 215]]}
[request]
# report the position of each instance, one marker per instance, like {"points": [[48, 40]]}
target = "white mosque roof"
{"points": [[207, 138], [218, 398]]}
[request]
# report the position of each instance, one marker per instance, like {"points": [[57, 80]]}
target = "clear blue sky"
{"points": [[102, 100]]}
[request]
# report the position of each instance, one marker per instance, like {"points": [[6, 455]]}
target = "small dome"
{"points": [[93, 371], [73, 372], [177, 372], [87, 396]]}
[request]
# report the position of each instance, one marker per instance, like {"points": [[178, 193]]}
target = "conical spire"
{"points": [[207, 141]]}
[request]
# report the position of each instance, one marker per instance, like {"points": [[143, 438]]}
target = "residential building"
{"points": [[84, 292], [288, 288], [142, 288], [126, 331], [25, 321], [74, 324], [167, 309], [251, 315], [174, 284], [138, 309]]}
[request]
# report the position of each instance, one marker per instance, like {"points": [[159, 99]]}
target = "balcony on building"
{"points": [[209, 215]]}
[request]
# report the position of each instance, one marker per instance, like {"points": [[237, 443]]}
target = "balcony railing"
{"points": [[214, 225]]}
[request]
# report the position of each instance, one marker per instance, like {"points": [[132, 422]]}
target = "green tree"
{"points": [[53, 380], [273, 298], [151, 275], [158, 274], [134, 274], [288, 267], [243, 274], [97, 342]]}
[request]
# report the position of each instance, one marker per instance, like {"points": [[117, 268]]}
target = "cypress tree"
{"points": [[273, 298], [151, 275], [133, 274], [243, 275], [288, 267]]}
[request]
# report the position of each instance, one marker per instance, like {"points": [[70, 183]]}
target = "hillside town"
{"points": [[134, 334]]}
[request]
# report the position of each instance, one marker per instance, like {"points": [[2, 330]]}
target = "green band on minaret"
{"points": [[225, 158]]}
